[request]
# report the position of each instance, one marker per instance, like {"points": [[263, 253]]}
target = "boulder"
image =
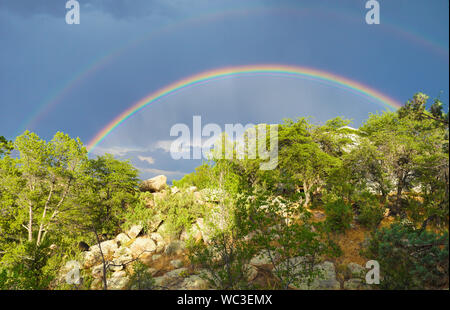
{"points": [[160, 243], [117, 283], [174, 190], [192, 189], [356, 284], [120, 262], [119, 274], [326, 280], [177, 263], [194, 282], [152, 271], [91, 258], [134, 231], [176, 273], [161, 282], [155, 184], [97, 271], [122, 251], [196, 230], [108, 248], [142, 247], [261, 259], [355, 271], [122, 239], [155, 223]]}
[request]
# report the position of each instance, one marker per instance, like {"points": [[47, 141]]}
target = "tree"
{"points": [[284, 233], [302, 159], [410, 258], [5, 146]]}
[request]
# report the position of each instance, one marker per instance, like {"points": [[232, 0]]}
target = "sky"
{"points": [[78, 78]]}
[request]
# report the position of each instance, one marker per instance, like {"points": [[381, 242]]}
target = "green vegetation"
{"points": [[52, 196], [410, 258], [339, 216]]}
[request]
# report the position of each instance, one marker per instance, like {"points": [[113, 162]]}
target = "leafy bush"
{"points": [[141, 279], [339, 216], [370, 212], [201, 178], [225, 259], [410, 258], [370, 216], [140, 213], [179, 211]]}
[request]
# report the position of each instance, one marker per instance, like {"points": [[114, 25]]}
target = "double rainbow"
{"points": [[277, 70]]}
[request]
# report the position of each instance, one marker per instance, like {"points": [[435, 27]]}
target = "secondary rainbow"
{"points": [[221, 73]]}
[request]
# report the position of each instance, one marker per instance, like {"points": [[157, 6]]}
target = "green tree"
{"points": [[5, 146], [410, 258], [302, 159]]}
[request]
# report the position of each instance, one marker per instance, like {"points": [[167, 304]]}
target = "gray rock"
{"points": [[160, 243], [261, 259], [107, 248], [176, 273], [152, 271], [326, 280], [356, 284], [155, 184], [122, 239], [143, 247], [356, 271], [195, 282], [134, 231], [91, 258], [117, 283], [177, 263], [119, 274], [97, 271]]}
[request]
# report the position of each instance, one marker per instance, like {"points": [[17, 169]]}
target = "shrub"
{"points": [[370, 212], [410, 258], [141, 279], [225, 259], [370, 216], [339, 215]]}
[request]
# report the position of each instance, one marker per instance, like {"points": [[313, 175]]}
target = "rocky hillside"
{"points": [[164, 254]]}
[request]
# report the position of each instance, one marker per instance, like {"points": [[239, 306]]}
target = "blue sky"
{"points": [[158, 42]]}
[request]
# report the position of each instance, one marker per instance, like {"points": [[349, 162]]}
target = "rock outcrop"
{"points": [[155, 184]]}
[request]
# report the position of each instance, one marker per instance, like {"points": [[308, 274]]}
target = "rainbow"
{"points": [[58, 95], [274, 70]]}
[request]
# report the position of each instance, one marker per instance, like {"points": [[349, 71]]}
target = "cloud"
{"points": [[163, 145], [160, 171], [115, 150], [148, 159]]}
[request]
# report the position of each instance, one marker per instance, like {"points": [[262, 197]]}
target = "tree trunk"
{"points": [[30, 223], [307, 194], [105, 283]]}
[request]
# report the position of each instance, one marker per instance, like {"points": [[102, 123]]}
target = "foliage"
{"points": [[283, 230], [339, 216], [201, 178], [410, 258], [5, 146], [141, 279], [179, 211]]}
